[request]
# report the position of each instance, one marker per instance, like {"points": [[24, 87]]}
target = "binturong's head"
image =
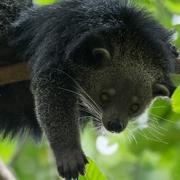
{"points": [[125, 65]]}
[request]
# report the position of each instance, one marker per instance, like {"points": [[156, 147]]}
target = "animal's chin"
{"points": [[114, 131]]}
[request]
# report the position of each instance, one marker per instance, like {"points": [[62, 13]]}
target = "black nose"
{"points": [[115, 126]]}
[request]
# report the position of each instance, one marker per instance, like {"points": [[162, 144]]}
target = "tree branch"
{"points": [[14, 73], [5, 173]]}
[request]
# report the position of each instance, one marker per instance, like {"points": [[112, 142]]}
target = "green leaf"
{"points": [[172, 5], [44, 2], [160, 107], [176, 79], [176, 100], [92, 172], [6, 150]]}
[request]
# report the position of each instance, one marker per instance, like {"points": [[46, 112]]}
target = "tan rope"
{"points": [[20, 72], [14, 73]]}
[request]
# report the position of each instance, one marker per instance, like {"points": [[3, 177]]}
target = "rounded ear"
{"points": [[102, 56], [160, 90], [174, 50], [175, 65], [90, 50]]}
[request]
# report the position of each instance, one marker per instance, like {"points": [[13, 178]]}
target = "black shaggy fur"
{"points": [[17, 110], [81, 47], [9, 11], [17, 106]]}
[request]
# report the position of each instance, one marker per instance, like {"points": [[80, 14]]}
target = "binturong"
{"points": [[107, 58]]}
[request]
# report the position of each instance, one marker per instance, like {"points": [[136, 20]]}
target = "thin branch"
{"points": [[5, 173]]}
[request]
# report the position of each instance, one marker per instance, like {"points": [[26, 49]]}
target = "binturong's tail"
{"points": [[16, 101]]}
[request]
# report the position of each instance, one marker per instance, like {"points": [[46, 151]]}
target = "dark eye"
{"points": [[105, 98], [134, 108]]}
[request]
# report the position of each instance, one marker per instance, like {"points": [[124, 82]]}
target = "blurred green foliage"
{"points": [[148, 149], [176, 100], [45, 2], [92, 172]]}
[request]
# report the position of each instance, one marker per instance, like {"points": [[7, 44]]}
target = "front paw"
{"points": [[71, 164]]}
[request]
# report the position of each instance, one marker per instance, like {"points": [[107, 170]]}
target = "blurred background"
{"points": [[148, 150]]}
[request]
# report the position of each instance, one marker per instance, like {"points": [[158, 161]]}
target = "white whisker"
{"points": [[161, 118]]}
